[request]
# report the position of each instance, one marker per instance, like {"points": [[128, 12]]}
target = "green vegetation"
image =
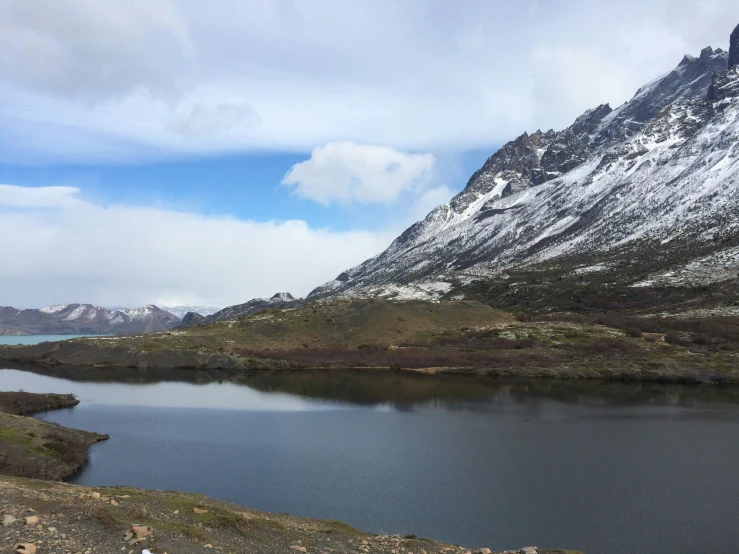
{"points": [[543, 339]]}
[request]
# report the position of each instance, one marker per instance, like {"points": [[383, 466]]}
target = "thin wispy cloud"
{"points": [[127, 81]]}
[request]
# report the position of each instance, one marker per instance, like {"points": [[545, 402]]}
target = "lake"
{"points": [[606, 468], [38, 339]]}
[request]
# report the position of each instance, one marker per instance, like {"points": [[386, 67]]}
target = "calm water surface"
{"points": [[608, 469]]}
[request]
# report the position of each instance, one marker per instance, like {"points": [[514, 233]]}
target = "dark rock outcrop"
{"points": [[734, 48], [191, 318]]}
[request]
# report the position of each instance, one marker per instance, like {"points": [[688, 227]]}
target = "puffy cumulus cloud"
{"points": [[344, 172], [134, 79], [66, 251]]}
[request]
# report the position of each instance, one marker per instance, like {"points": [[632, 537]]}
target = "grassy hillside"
{"points": [[443, 337]]}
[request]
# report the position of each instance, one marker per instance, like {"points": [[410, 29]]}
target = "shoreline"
{"points": [[31, 447], [73, 518], [197, 361]]}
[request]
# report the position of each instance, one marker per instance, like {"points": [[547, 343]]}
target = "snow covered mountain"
{"points": [[657, 175], [84, 319]]}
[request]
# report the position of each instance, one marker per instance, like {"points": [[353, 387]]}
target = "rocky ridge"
{"points": [[660, 171], [280, 300]]}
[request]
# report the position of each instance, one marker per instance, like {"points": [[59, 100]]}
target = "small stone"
{"points": [[486, 551], [299, 548], [52, 529], [95, 495], [141, 531], [176, 512], [26, 548], [199, 511], [113, 502], [128, 536], [529, 550], [32, 520], [8, 519], [207, 546]]}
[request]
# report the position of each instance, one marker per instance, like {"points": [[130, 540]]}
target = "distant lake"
{"points": [[605, 468], [38, 339]]}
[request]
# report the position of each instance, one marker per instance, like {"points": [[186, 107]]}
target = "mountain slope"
{"points": [[84, 319], [659, 173], [277, 301]]}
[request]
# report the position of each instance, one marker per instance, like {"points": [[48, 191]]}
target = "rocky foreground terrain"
{"points": [[45, 517]]}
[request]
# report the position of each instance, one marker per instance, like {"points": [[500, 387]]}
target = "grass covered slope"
{"points": [[441, 337], [35, 448]]}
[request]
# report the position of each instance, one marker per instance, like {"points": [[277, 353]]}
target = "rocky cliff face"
{"points": [[83, 319], [734, 48], [662, 170]]}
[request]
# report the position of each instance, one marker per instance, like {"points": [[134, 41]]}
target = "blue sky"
{"points": [[181, 152], [246, 186]]}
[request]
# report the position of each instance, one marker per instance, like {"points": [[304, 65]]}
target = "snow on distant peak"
{"points": [[53, 309], [78, 312]]}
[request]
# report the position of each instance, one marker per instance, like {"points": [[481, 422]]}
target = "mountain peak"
{"points": [[286, 296], [734, 48]]}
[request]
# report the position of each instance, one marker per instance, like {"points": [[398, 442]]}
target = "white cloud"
{"points": [[344, 172], [125, 256], [129, 80], [38, 197]]}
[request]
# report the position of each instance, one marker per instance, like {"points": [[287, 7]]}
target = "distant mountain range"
{"points": [[83, 319]]}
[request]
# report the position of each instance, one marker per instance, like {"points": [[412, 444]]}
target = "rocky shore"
{"points": [[26, 403], [35, 448], [59, 517]]}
